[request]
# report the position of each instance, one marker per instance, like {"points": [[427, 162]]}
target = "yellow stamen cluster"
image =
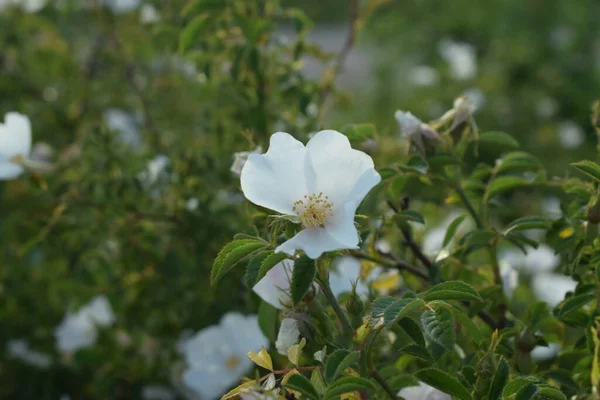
{"points": [[313, 210], [232, 362]]}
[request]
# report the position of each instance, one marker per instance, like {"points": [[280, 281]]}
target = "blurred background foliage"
{"points": [[109, 90]]}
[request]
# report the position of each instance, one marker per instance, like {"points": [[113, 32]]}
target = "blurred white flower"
{"points": [[434, 240], [543, 353], [192, 204], [562, 36], [462, 110], [122, 6], [475, 96], [321, 184], [156, 167], [551, 207], [41, 153], [80, 329], [423, 75], [30, 6], [423, 392], [216, 356], [19, 348], [552, 288], [15, 144], [125, 124], [570, 135], [149, 14], [461, 58], [240, 158], [346, 271], [383, 246], [289, 335], [546, 107], [416, 130], [536, 261], [274, 287], [510, 278], [157, 392]]}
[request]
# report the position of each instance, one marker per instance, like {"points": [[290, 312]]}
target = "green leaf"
{"points": [[348, 384], [301, 384], [438, 327], [517, 384], [191, 31], [378, 308], [471, 329], [397, 185], [452, 290], [518, 161], [231, 255], [272, 260], [302, 277], [196, 6], [253, 268], [400, 308], [409, 215], [267, 320], [443, 159], [386, 173], [444, 382], [452, 228], [504, 184], [500, 379], [573, 303], [413, 330], [418, 351], [528, 392], [548, 392], [346, 362], [359, 132], [589, 168], [317, 381], [528, 223], [332, 362], [499, 139]]}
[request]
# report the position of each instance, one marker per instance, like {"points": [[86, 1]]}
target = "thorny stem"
{"points": [[384, 384], [346, 327]]}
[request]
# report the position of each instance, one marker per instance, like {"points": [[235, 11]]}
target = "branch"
{"points": [[408, 239], [393, 262], [384, 384]]}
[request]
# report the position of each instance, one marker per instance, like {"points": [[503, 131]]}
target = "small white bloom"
{"points": [[80, 329], [322, 184], [42, 153], [346, 271], [19, 349], [552, 288], [423, 75], [216, 356], [536, 261], [29, 6], [122, 6], [383, 246], [423, 392], [15, 144], [156, 167], [570, 134], [274, 287], [543, 353], [125, 124], [192, 204], [461, 58], [510, 278], [149, 14], [289, 335], [551, 207], [157, 392], [240, 158], [546, 107], [409, 124]]}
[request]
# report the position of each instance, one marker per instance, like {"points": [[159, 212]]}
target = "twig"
{"points": [[408, 239], [341, 57], [393, 262], [463, 196], [285, 371], [375, 374]]}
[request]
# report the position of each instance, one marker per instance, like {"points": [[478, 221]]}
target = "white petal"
{"points": [[9, 170], [245, 332], [15, 140], [288, 335], [346, 272], [276, 179], [314, 242], [409, 124], [423, 392], [99, 310], [210, 386], [274, 287], [552, 288]]}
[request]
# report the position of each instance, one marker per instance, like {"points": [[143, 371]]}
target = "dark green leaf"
{"points": [[253, 268], [452, 228], [499, 139], [517, 384], [332, 362], [500, 379], [267, 320], [417, 351], [191, 31], [400, 308], [443, 159], [231, 255], [444, 382], [359, 132], [504, 184], [413, 330], [548, 392], [410, 215], [272, 260], [573, 303], [518, 161], [588, 167], [301, 384], [528, 223], [348, 384], [452, 290], [528, 392], [397, 186], [438, 327], [302, 277], [347, 362], [386, 173]]}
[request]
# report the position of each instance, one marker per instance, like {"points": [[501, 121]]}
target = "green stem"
{"points": [[346, 327], [463, 196], [319, 313], [384, 384]]}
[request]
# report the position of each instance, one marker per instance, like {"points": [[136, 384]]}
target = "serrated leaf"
{"points": [[504, 184], [452, 290], [517, 384], [589, 168], [528, 223], [253, 268], [500, 379], [301, 384], [333, 360], [438, 327], [346, 363], [499, 139], [444, 382], [191, 31], [527, 392], [269, 262], [518, 161], [302, 277], [452, 228], [551, 393], [262, 358], [317, 381], [378, 308], [231, 255], [396, 186], [347, 385], [471, 329], [413, 330], [400, 308], [573, 303], [417, 351]]}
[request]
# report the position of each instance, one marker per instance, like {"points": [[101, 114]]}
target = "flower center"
{"points": [[232, 362], [313, 209]]}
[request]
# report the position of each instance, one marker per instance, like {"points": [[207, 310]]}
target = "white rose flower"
{"points": [[216, 356], [122, 6], [289, 335], [274, 287], [125, 124], [423, 392], [415, 129], [19, 349], [15, 144], [461, 58], [510, 278], [30, 6], [322, 184], [149, 14], [552, 288]]}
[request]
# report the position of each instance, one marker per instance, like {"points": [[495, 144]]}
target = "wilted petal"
{"points": [[288, 335]]}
